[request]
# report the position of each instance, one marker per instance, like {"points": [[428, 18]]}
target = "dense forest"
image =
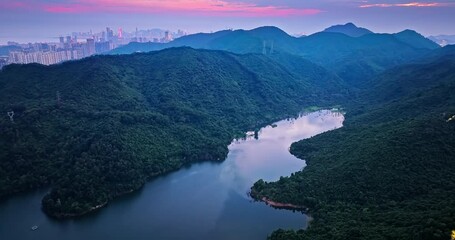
{"points": [[100, 127], [389, 172]]}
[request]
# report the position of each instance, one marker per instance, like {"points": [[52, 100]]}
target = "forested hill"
{"points": [[355, 59], [100, 127], [389, 173]]}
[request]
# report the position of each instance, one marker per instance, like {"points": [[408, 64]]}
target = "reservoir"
{"points": [[207, 200]]}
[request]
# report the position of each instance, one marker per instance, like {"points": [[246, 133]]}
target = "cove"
{"points": [[206, 200]]}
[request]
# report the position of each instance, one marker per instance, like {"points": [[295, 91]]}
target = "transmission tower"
{"points": [[263, 48], [11, 116], [59, 100]]}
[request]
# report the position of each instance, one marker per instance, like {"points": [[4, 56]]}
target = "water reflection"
{"points": [[203, 201], [268, 157]]}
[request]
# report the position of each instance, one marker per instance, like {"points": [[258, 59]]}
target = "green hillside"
{"points": [[389, 173], [355, 59], [358, 59], [415, 39], [100, 127]]}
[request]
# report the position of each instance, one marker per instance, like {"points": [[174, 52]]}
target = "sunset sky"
{"points": [[28, 19]]}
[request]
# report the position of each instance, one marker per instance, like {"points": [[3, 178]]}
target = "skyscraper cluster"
{"points": [[72, 48], [59, 52], [68, 48]]}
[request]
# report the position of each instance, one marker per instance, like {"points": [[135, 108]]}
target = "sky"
{"points": [[26, 20]]}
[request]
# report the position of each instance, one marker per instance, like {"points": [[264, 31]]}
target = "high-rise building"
{"points": [[120, 33], [90, 46], [167, 37], [68, 39], [11, 43], [44, 47], [101, 47], [46, 58], [103, 36], [180, 33], [109, 34], [62, 40]]}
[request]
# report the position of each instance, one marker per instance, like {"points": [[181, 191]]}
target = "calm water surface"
{"points": [[203, 201]]}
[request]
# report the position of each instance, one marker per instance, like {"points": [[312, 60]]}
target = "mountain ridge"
{"points": [[349, 29], [352, 58]]}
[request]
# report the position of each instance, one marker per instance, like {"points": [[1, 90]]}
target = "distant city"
{"points": [[79, 45]]}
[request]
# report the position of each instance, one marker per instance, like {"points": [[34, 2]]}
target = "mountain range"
{"points": [[352, 58]]}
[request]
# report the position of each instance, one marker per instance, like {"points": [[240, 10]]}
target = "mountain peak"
{"points": [[349, 29], [415, 39], [269, 31], [267, 28], [409, 32]]}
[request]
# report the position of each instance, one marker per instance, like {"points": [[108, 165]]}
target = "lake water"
{"points": [[203, 201]]}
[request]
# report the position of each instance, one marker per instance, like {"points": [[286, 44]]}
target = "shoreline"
{"points": [[280, 205], [61, 216], [88, 211], [74, 215], [200, 159]]}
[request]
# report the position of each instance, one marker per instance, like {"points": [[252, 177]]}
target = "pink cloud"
{"points": [[73, 8], [205, 7], [411, 4], [12, 5]]}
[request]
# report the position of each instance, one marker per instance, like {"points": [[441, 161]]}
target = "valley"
{"points": [[112, 127]]}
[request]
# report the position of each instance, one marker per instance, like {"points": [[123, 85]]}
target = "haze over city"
{"points": [[31, 20]]}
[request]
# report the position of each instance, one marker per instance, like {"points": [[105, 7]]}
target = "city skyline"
{"points": [[79, 45], [82, 36], [45, 19]]}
